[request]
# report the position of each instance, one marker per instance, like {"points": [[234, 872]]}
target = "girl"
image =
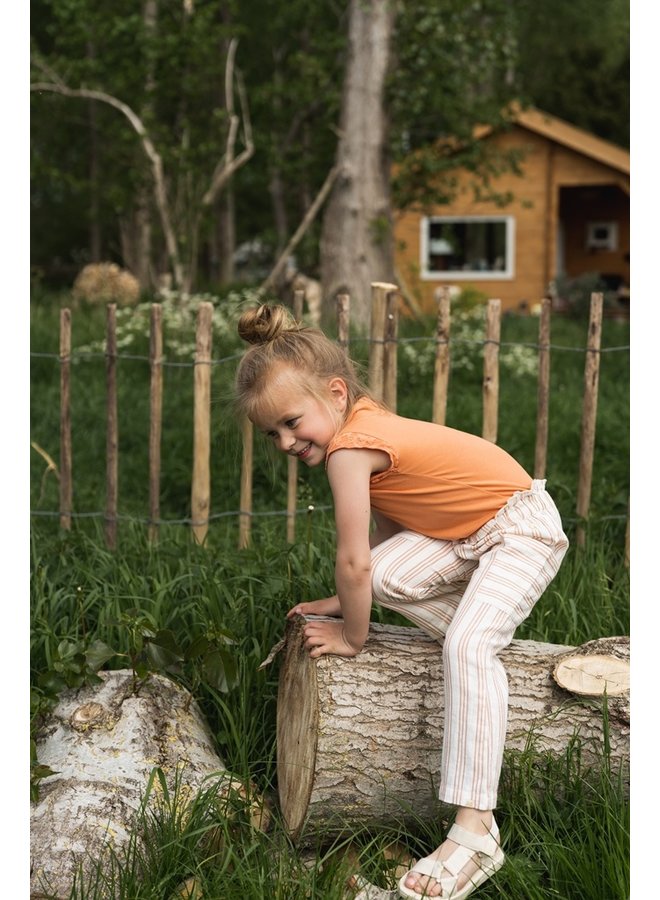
{"points": [[464, 543]]}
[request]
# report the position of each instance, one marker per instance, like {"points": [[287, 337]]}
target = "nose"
{"points": [[286, 441]]}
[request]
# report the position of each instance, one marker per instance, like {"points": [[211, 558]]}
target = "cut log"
{"points": [[596, 668], [359, 739], [103, 742]]}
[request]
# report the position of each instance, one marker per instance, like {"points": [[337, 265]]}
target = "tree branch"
{"points": [[160, 193], [224, 170], [230, 164], [302, 228]]}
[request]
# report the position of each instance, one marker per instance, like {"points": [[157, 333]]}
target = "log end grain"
{"points": [[297, 735], [596, 668]]}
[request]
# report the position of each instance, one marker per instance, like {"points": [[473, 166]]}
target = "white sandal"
{"points": [[489, 857]]}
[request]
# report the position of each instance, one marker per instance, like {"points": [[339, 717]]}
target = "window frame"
{"points": [[505, 274]]}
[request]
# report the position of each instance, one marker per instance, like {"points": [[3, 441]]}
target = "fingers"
{"points": [[295, 611], [321, 638]]}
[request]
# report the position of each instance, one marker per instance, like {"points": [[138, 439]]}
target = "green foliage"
{"points": [[582, 76], [576, 293], [456, 64]]}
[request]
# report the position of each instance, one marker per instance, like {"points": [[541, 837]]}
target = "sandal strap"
{"points": [[430, 866], [434, 869], [478, 843], [469, 843]]}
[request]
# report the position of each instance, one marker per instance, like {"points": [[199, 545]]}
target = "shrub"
{"points": [[100, 283]]}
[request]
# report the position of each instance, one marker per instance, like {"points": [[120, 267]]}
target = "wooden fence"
{"points": [[382, 382]]}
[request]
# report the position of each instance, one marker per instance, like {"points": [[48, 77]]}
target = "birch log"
{"points": [[359, 740], [103, 742]]}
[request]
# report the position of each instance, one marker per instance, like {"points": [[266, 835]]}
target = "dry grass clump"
{"points": [[105, 282]]}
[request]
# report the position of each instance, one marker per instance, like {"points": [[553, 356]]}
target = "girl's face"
{"points": [[299, 423]]}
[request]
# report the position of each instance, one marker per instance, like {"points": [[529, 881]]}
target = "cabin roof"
{"points": [[569, 136]]}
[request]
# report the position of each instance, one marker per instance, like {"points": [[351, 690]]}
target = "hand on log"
{"points": [[328, 606]]}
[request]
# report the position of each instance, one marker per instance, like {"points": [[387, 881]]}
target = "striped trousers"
{"points": [[473, 593]]}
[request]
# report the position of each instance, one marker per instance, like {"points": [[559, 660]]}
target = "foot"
{"points": [[469, 856]]}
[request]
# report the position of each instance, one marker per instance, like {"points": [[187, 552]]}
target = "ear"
{"points": [[338, 394]]}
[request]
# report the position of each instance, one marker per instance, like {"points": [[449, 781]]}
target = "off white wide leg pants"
{"points": [[474, 592]]}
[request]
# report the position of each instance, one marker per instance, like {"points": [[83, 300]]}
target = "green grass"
{"points": [[565, 826]]}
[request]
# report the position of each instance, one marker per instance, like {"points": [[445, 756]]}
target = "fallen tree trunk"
{"points": [[103, 742], [359, 740]]}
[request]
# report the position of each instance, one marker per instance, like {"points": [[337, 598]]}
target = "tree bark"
{"points": [[94, 196], [225, 237], [103, 742], [135, 230], [359, 740], [356, 238]]}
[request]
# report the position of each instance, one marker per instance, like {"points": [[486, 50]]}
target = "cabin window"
{"points": [[602, 236], [468, 247]]}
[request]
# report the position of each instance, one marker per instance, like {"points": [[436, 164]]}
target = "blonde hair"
{"points": [[276, 339]]}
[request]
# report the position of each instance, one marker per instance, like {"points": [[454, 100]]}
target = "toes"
{"points": [[427, 887]]}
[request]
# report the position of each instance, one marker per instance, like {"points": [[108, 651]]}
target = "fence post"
{"points": [[441, 370], [245, 501], [491, 382], [379, 292], [201, 475], [542, 412], [112, 437], [155, 416], [66, 483], [390, 350], [292, 462], [589, 409]]}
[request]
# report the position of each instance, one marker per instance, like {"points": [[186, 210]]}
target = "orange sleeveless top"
{"points": [[441, 482]]}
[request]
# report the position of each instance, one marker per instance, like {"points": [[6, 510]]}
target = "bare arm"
{"points": [[348, 473], [328, 606]]}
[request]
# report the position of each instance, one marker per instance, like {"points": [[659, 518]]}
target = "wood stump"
{"points": [[103, 742], [359, 740]]}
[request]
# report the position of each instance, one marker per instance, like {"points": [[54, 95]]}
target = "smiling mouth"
{"points": [[304, 452]]}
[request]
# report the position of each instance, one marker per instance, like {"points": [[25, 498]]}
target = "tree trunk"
{"points": [[225, 243], [103, 742], [224, 234], [94, 178], [94, 200], [359, 740], [356, 238], [135, 231], [277, 191]]}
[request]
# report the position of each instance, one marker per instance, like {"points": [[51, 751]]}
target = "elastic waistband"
{"points": [[538, 484]]}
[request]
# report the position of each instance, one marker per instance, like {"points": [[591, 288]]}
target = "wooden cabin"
{"points": [[570, 215]]}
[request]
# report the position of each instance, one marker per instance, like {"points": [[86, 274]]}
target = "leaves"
{"points": [[97, 654]]}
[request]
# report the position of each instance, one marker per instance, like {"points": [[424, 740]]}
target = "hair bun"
{"points": [[264, 324]]}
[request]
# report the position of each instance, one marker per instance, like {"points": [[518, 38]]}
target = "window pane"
{"points": [[467, 246]]}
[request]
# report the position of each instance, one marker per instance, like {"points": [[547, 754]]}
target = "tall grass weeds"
{"points": [[217, 611]]}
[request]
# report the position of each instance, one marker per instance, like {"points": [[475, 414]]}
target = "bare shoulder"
{"points": [[359, 460]]}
